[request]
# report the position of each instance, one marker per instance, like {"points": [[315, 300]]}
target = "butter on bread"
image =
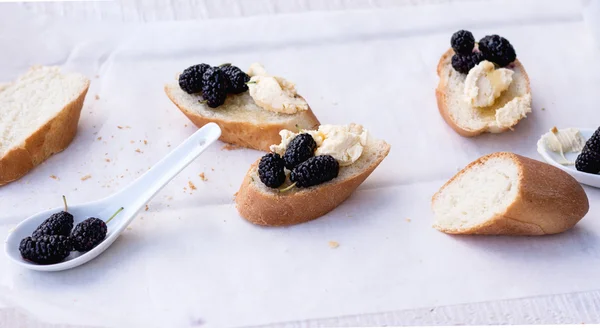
{"points": [[262, 205], [468, 120]]}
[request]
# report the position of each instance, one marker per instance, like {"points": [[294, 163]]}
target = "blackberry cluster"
{"points": [[301, 148], [497, 50], [464, 63], [47, 249], [190, 80], [315, 170], [214, 82], [60, 223], [589, 159], [270, 170], [88, 234], [462, 42], [493, 48], [237, 79], [52, 241], [214, 87]]}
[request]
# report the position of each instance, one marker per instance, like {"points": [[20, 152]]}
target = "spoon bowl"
{"points": [[133, 198], [552, 158]]}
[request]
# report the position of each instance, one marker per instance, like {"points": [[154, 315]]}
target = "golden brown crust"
{"points": [[440, 95], [291, 208], [549, 201], [246, 134], [51, 138]]}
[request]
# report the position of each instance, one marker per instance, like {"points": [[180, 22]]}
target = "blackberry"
{"points": [[497, 49], [47, 249], [60, 223], [588, 161], [593, 143], [464, 63], [237, 79], [301, 148], [214, 87], [89, 233], [270, 170], [190, 80], [462, 42], [315, 170]]}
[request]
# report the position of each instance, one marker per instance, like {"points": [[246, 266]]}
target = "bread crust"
{"points": [[53, 137], [549, 201], [246, 134], [440, 95], [301, 206]]}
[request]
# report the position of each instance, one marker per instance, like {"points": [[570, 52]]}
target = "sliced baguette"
{"points": [[507, 194], [40, 113], [241, 120], [262, 205], [469, 121]]}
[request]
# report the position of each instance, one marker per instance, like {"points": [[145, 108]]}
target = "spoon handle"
{"points": [[137, 194]]}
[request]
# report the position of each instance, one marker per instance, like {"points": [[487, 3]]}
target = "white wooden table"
{"points": [[553, 309]]}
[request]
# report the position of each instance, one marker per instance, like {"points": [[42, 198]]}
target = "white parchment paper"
{"points": [[191, 260]]}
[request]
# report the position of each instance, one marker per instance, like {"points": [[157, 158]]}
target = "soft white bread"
{"points": [[39, 116], [262, 205], [507, 194], [241, 120], [470, 121]]}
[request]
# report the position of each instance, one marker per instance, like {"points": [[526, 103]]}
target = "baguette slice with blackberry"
{"points": [[508, 194], [266, 206], [242, 121], [39, 117]]}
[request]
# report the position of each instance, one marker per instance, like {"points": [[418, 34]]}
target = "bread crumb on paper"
{"points": [[145, 142], [120, 127], [202, 176], [334, 244], [97, 97], [146, 209], [54, 177], [107, 160], [138, 151], [83, 178], [230, 147], [407, 220], [192, 186]]}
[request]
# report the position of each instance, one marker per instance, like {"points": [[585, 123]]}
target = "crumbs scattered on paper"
{"points": [[192, 186], [145, 209], [120, 127], [99, 138], [83, 178], [230, 147], [145, 142], [201, 175], [138, 151], [107, 160], [407, 220], [334, 244], [54, 177], [97, 97]]}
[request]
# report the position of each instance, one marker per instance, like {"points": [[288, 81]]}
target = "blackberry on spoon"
{"points": [[47, 249], [60, 223], [89, 233]]}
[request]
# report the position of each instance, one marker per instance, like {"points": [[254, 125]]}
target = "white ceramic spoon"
{"points": [[552, 158], [133, 198]]}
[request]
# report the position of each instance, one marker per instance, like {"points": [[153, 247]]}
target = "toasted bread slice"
{"points": [[262, 205], [470, 121], [507, 194], [40, 113], [241, 120]]}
